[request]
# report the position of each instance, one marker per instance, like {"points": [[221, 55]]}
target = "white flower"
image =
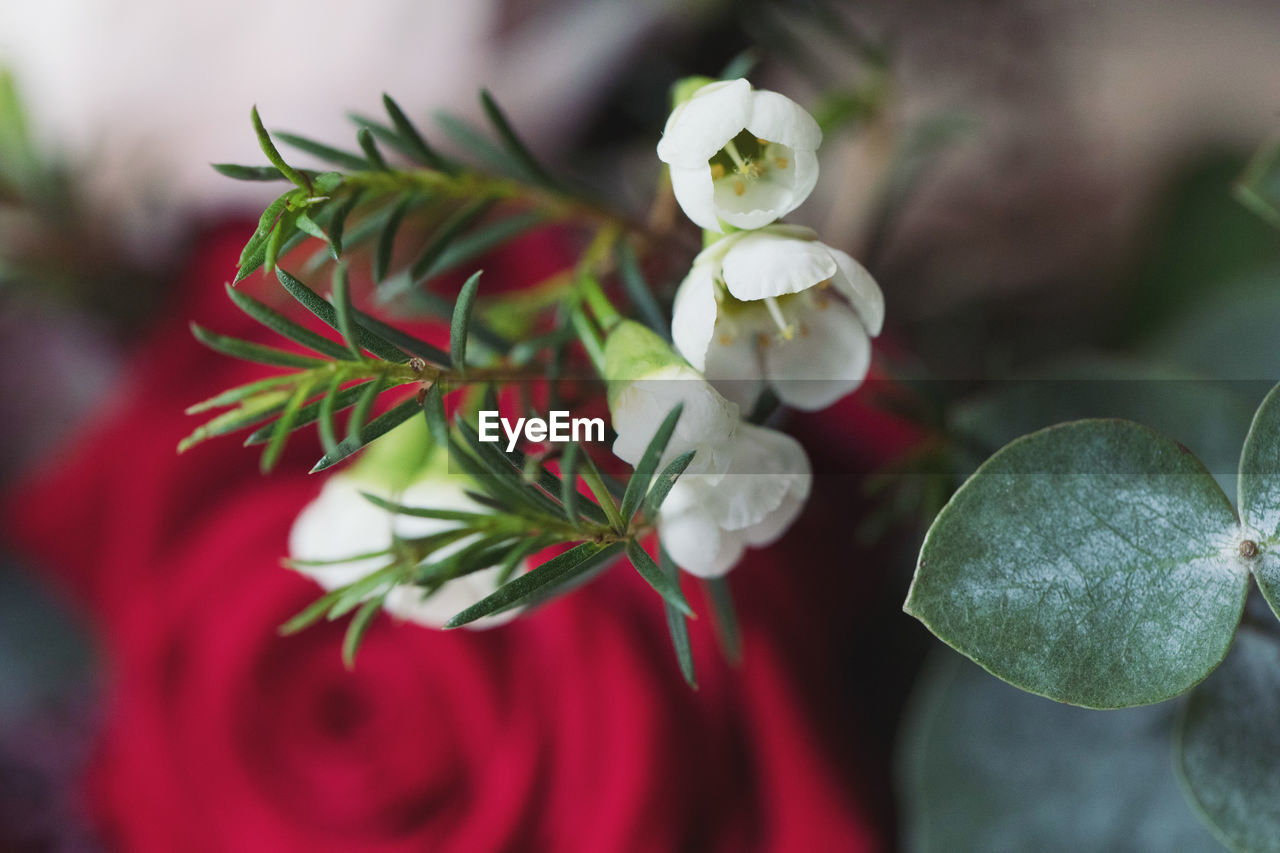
{"points": [[740, 155], [706, 525], [776, 306], [647, 379], [341, 525], [706, 423]]}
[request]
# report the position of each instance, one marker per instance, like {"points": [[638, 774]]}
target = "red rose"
{"points": [[568, 729]]}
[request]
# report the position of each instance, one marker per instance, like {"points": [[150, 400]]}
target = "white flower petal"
{"points": [[804, 177], [826, 360], [695, 193], [769, 529], [694, 541], [693, 316], [768, 467], [760, 203], [762, 264], [733, 363], [708, 419], [856, 284], [340, 523], [777, 118], [406, 601], [715, 114]]}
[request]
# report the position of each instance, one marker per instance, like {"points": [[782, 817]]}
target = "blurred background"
{"points": [[1042, 189]]}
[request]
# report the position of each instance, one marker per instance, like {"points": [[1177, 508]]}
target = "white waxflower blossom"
{"points": [[745, 484], [706, 525], [647, 379], [777, 307], [740, 155], [342, 525]]}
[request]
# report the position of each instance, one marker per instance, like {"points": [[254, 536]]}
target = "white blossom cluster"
{"points": [[764, 305]]}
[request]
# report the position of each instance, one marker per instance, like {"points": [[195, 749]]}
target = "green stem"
{"points": [[606, 315], [589, 337]]}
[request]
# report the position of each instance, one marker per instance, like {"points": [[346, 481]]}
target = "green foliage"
{"points": [[1258, 187], [1093, 562], [460, 325], [677, 621], [638, 485], [1097, 563], [1228, 747], [1260, 494], [984, 766]]}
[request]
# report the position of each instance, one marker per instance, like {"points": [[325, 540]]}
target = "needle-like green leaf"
{"points": [[342, 312], [662, 486], [317, 305], [248, 173], [284, 425], [437, 420], [638, 290], [638, 485], [557, 571], [461, 322], [668, 588], [418, 147], [285, 327], [372, 431], [387, 240], [728, 634], [365, 137], [273, 154], [677, 624], [250, 351], [514, 144], [313, 412], [357, 629], [569, 481], [343, 159]]}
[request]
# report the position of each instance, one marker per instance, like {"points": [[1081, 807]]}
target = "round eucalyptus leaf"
{"points": [[1094, 562], [1229, 745], [984, 766], [1260, 494]]}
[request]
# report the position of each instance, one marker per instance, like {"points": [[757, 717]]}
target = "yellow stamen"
{"points": [[763, 142], [739, 187], [780, 162], [725, 340], [717, 171]]}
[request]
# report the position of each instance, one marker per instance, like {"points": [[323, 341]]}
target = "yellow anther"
{"points": [[780, 162], [726, 340], [763, 142], [739, 187], [717, 171]]}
